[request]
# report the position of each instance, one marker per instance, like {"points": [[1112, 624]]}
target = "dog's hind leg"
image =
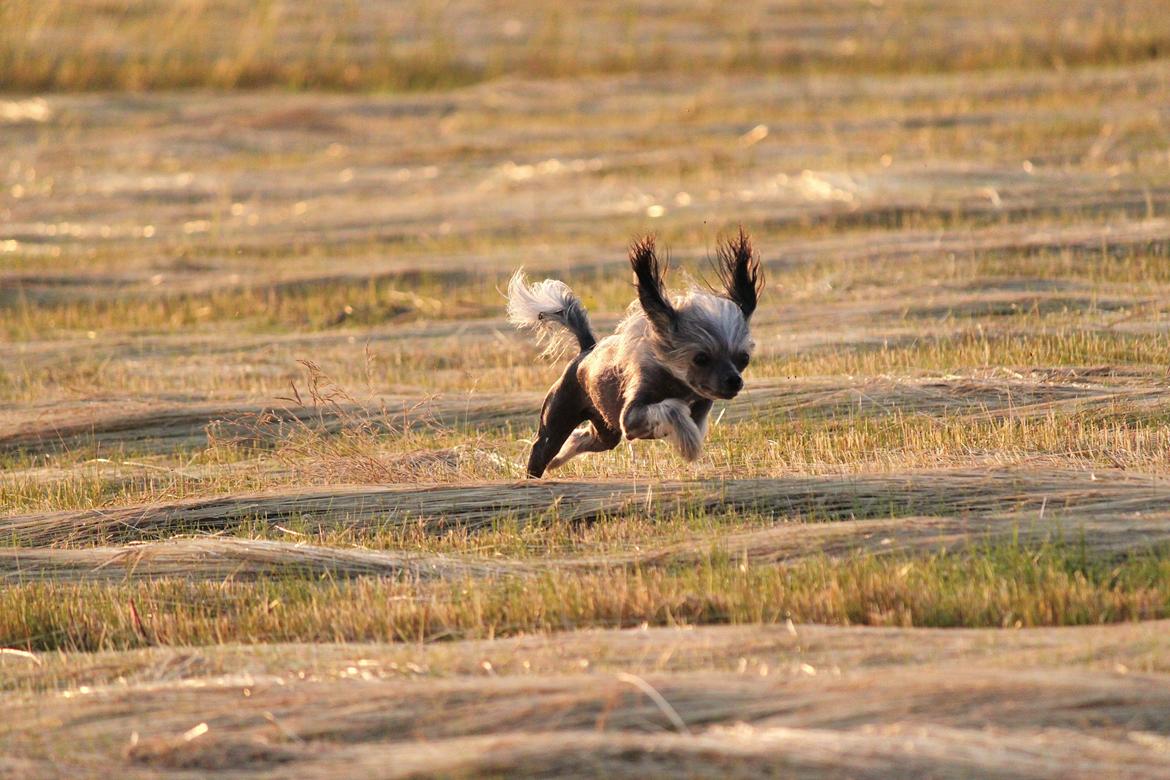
{"points": [[583, 440], [565, 408]]}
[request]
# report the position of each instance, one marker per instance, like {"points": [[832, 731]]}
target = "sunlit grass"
{"points": [[838, 439], [1005, 585], [66, 45], [324, 303]]}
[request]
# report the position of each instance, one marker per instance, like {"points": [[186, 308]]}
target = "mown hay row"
{"points": [[240, 559], [728, 751], [227, 558], [162, 429], [439, 508], [953, 719], [1104, 534], [443, 508], [738, 751], [221, 558], [1007, 239], [646, 650]]}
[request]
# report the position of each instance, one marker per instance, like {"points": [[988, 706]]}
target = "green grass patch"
{"points": [[1052, 584]]}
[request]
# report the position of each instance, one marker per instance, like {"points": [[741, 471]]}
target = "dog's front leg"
{"points": [[669, 419]]}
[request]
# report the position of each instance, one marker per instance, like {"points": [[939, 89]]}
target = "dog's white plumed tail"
{"points": [[552, 311]]}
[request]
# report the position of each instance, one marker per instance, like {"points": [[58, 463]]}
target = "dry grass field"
{"points": [[262, 423]]}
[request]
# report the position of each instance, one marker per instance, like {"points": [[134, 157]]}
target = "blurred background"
{"points": [[361, 46], [194, 195]]}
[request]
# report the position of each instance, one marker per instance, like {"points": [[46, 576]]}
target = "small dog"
{"points": [[657, 376]]}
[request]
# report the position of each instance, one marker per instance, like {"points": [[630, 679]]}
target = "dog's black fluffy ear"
{"points": [[648, 273], [739, 270]]}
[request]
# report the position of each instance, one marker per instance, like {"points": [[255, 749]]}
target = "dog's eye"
{"points": [[742, 360], [702, 359]]}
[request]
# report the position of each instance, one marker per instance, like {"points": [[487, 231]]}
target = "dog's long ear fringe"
{"points": [[648, 275], [738, 267]]}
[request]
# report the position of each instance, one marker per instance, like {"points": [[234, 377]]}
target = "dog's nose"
{"points": [[734, 383]]}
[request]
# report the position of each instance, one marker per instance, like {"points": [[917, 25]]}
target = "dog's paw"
{"points": [[664, 417], [669, 419], [689, 440], [672, 420]]}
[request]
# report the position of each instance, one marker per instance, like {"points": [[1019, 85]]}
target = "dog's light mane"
{"points": [[706, 323]]}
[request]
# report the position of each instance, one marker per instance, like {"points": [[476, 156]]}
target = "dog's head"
{"points": [[702, 337]]}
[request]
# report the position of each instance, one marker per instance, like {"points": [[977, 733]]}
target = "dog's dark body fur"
{"points": [[658, 376], [599, 397]]}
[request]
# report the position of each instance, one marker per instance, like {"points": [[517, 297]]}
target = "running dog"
{"points": [[657, 376]]}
